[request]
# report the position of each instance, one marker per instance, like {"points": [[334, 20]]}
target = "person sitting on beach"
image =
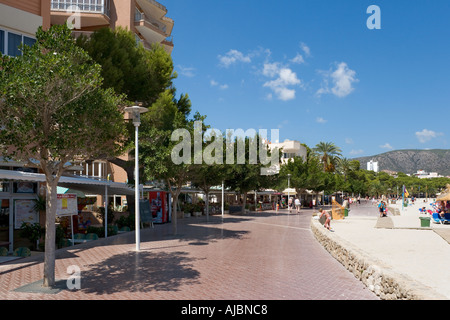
{"points": [[328, 218]]}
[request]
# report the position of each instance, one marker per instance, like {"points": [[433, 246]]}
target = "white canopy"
{"points": [[86, 185]]}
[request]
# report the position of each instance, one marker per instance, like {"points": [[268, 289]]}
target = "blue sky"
{"points": [[313, 70]]}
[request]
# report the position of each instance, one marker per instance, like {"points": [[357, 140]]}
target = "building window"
{"points": [[2, 42], [10, 43], [28, 41], [4, 186], [14, 42]]}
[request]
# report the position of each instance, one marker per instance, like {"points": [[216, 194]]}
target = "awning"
{"points": [[62, 190], [86, 185]]}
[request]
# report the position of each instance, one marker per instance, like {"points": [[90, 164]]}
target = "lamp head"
{"points": [[135, 112]]}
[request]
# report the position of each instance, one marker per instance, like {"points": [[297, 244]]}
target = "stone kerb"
{"points": [[375, 275]]}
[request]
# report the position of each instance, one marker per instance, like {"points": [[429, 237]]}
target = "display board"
{"points": [[24, 212], [146, 213], [66, 204]]}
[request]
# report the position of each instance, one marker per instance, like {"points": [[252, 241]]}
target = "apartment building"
{"points": [[19, 21], [145, 18]]}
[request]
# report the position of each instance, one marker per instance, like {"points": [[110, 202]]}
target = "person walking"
{"points": [[382, 209], [297, 204]]}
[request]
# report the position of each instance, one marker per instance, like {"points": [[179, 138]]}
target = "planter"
{"points": [[187, 214], [197, 214]]}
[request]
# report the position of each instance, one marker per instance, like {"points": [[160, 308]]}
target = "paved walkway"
{"points": [[263, 256]]}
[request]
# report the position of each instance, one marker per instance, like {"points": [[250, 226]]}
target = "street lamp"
{"points": [[135, 112], [289, 182]]}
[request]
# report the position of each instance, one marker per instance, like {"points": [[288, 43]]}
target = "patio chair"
{"points": [[79, 237], [91, 236], [124, 229], [22, 252], [3, 251]]}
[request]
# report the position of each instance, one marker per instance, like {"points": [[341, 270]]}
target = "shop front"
{"points": [[22, 190]]}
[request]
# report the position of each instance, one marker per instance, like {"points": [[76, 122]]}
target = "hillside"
{"points": [[410, 161]]}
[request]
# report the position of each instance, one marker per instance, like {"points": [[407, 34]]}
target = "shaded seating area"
{"points": [[82, 238]]}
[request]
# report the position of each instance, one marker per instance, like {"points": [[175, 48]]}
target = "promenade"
{"points": [[260, 256]]}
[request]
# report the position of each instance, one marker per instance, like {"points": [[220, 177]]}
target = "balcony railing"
{"points": [[86, 6], [139, 16]]}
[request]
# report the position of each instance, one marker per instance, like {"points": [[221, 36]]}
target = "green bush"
{"points": [[32, 232], [126, 221]]}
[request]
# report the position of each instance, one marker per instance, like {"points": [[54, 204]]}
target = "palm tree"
{"points": [[329, 154]]}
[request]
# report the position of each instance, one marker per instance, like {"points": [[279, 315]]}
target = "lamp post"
{"points": [[289, 196], [135, 112]]}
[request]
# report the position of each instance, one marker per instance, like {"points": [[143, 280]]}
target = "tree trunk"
{"points": [[244, 202], [50, 233], [207, 205]]}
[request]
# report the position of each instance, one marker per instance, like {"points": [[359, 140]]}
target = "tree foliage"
{"points": [[53, 109]]}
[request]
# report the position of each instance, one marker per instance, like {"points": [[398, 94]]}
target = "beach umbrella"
{"points": [[444, 197]]}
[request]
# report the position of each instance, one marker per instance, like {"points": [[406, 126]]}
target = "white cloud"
{"points": [[285, 78], [214, 83], [271, 69], [186, 71], [321, 120], [356, 152], [342, 78], [348, 140], [298, 59], [232, 57], [426, 135], [387, 146], [305, 49]]}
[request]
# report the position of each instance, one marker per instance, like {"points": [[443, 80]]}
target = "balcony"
{"points": [[151, 29], [93, 13]]}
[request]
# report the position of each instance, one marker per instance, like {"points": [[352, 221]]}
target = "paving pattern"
{"points": [[261, 256]]}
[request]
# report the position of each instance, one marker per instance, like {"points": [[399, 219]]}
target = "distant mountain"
{"points": [[410, 161]]}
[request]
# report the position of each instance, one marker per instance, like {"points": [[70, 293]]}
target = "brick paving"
{"points": [[260, 256]]}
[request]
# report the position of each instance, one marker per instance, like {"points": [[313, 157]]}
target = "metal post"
{"points": [[106, 211], [223, 204], [136, 189]]}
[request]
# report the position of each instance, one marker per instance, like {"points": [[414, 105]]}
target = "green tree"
{"points": [[52, 109], [143, 75], [329, 154], [246, 171]]}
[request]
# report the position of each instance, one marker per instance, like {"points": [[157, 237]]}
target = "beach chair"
{"points": [[446, 217], [437, 218], [22, 252]]}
